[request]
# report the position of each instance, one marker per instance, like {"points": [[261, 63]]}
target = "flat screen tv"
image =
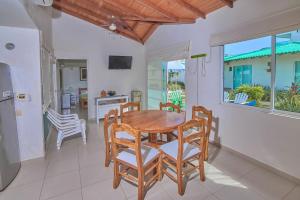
{"points": [[119, 62]]}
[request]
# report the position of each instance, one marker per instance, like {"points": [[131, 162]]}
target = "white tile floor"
{"points": [[77, 172]]}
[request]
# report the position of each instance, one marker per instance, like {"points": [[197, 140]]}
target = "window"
{"points": [[249, 81], [265, 72], [287, 84]]}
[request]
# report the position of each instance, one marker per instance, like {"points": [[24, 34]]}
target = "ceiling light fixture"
{"points": [[112, 27]]}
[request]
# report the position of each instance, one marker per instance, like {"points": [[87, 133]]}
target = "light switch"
{"points": [[23, 97]]}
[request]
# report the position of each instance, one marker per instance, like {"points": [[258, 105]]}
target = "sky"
{"points": [[177, 64], [247, 46], [252, 45]]}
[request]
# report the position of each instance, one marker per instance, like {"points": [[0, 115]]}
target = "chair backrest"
{"points": [[132, 145], [55, 118], [196, 131], [199, 113], [130, 106], [66, 122], [226, 97], [51, 115], [241, 98], [169, 105], [110, 118]]}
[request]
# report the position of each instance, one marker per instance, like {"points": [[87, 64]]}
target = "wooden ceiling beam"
{"points": [[140, 17], [122, 7], [149, 32], [79, 10], [158, 9], [92, 18], [229, 3], [191, 8], [136, 23], [159, 20], [90, 5]]}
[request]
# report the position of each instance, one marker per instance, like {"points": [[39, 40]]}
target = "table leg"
{"points": [[153, 137]]}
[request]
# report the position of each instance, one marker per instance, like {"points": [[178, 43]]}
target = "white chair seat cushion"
{"points": [[129, 156], [123, 135], [171, 149]]}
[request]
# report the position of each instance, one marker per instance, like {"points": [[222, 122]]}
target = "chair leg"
{"points": [[160, 170], [83, 134], [201, 167], [206, 149], [117, 177], [107, 155], [169, 137], [140, 188], [59, 140], [180, 181]]}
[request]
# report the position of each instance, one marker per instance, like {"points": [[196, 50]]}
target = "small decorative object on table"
{"points": [[103, 93], [111, 93]]}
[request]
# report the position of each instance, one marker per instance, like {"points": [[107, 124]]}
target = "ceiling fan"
{"points": [[114, 24]]}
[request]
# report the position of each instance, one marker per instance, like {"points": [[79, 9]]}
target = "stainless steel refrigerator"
{"points": [[9, 144]]}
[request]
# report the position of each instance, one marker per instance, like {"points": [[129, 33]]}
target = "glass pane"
{"points": [[287, 93], [176, 83], [156, 84], [247, 72]]}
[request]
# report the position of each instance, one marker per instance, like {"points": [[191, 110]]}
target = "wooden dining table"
{"points": [[154, 121]]}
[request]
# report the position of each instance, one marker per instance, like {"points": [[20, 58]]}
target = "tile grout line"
{"points": [[289, 192], [60, 175], [239, 177], [79, 171], [44, 179]]}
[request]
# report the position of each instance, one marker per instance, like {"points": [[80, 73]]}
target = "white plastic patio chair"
{"points": [[226, 97], [241, 98], [67, 125]]}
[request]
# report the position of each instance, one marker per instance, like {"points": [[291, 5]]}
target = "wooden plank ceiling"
{"points": [[138, 19]]}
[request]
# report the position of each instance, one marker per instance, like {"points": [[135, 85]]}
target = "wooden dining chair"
{"points": [[128, 107], [177, 156], [137, 164], [169, 107], [199, 113], [109, 119]]}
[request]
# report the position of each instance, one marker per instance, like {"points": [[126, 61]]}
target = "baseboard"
{"points": [[259, 163]]}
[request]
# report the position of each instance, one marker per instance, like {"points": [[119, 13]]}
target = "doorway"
{"points": [[72, 86], [176, 83], [166, 83]]}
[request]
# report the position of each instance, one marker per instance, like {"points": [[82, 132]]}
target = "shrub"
{"points": [[176, 85], [288, 100], [254, 92], [267, 93]]}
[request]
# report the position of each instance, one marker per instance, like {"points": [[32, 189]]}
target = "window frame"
{"points": [[272, 109]]}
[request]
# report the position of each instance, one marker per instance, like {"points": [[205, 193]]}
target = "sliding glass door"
{"points": [[157, 83]]}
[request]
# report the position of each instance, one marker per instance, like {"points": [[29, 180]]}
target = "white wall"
{"points": [[271, 139], [24, 62], [12, 13], [76, 39], [71, 79]]}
